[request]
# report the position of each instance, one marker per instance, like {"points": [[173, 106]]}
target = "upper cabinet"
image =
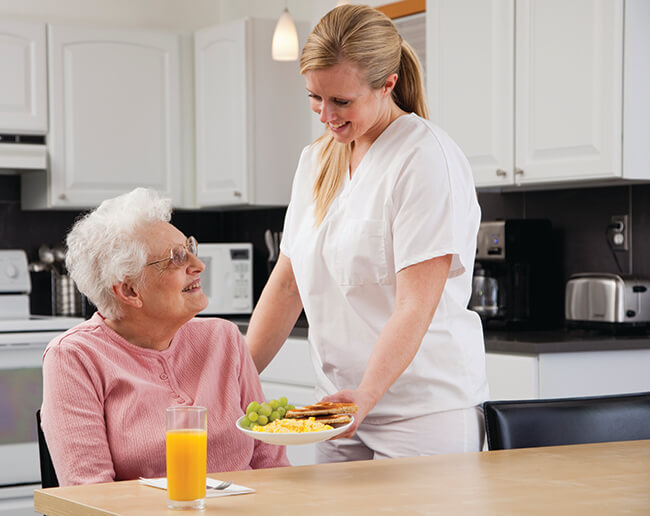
{"points": [[115, 118], [252, 116], [23, 88], [532, 90]]}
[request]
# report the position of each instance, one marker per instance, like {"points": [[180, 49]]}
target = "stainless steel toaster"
{"points": [[607, 298]]}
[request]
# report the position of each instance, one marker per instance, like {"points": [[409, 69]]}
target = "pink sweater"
{"points": [[104, 400]]}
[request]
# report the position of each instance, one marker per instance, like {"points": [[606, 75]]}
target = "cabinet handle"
{"points": [[237, 193], [62, 197], [501, 172], [519, 172]]}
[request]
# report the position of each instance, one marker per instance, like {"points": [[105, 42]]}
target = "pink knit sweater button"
{"points": [[163, 376]]}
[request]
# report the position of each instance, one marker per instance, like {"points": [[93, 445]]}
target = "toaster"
{"points": [[607, 298]]}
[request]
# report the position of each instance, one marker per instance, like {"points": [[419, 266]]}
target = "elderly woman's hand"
{"points": [[361, 399]]}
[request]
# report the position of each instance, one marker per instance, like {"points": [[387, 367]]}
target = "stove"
{"points": [[23, 339]]}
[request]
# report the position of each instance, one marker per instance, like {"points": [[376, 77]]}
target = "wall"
{"points": [[580, 218]]}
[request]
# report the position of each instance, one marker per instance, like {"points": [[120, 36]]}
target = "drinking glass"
{"points": [[187, 444]]}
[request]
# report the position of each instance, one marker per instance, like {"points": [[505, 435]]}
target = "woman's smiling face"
{"points": [[170, 291], [345, 102]]}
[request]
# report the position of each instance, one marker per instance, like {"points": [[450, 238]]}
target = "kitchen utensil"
{"points": [[270, 245], [59, 257], [46, 255], [276, 245], [223, 485]]}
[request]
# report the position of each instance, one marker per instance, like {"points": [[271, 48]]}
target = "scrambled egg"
{"points": [[287, 426]]}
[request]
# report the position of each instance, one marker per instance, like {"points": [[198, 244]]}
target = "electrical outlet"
{"points": [[620, 236]]}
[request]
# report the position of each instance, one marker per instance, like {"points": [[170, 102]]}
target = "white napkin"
{"points": [[233, 489]]}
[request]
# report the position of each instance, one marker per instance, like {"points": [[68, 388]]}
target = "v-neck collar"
{"points": [[349, 180]]}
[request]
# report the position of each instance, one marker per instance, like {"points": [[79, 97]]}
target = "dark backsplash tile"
{"points": [[579, 218]]}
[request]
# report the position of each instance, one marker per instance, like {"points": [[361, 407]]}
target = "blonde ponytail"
{"points": [[368, 38]]}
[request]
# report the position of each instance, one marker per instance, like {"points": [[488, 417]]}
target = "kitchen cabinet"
{"points": [[252, 116], [542, 92], [115, 101], [23, 93], [558, 375], [291, 374]]}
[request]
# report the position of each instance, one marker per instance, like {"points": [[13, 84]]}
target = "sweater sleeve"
{"points": [[265, 455], [72, 418]]}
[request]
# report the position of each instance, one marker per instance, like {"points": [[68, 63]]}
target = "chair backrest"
{"points": [[48, 475], [551, 422]]}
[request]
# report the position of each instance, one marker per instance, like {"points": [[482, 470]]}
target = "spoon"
{"points": [[46, 256]]}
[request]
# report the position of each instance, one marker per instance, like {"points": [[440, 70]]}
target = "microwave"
{"points": [[227, 280]]}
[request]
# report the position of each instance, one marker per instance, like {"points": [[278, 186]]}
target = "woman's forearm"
{"points": [[275, 314]]}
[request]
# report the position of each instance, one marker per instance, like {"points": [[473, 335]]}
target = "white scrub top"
{"points": [[411, 198]]}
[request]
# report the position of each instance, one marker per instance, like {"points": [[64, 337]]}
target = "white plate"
{"points": [[287, 439]]}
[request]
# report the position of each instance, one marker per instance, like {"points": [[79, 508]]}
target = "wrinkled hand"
{"points": [[363, 401]]}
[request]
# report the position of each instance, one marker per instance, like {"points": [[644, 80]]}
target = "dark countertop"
{"points": [[561, 341], [528, 341]]}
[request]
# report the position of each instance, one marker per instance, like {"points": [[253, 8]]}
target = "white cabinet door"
{"points": [[23, 87], [252, 116], [114, 113], [531, 98], [221, 114], [470, 74], [569, 79]]}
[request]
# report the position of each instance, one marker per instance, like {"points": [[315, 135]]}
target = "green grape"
{"points": [[265, 410], [283, 401], [262, 420], [274, 415], [290, 407], [274, 404], [253, 416], [252, 407], [246, 422], [281, 410]]}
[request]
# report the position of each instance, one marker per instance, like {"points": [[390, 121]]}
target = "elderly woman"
{"points": [[107, 381]]}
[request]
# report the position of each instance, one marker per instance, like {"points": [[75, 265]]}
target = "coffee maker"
{"points": [[517, 281]]}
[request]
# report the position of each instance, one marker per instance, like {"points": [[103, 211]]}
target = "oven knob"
{"points": [[630, 313], [12, 271]]}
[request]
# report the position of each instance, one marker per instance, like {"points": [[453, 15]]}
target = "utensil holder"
{"points": [[66, 299]]}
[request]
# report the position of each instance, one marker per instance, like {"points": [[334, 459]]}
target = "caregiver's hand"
{"points": [[364, 402]]}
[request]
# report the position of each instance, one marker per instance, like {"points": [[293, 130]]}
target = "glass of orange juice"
{"points": [[187, 444]]}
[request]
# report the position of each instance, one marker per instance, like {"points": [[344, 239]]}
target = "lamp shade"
{"points": [[285, 39]]}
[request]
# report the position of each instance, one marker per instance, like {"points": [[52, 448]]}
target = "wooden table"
{"points": [[604, 478]]}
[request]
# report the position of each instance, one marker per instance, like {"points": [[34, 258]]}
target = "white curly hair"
{"points": [[103, 248]]}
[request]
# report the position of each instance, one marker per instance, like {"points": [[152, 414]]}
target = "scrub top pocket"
{"points": [[361, 254]]}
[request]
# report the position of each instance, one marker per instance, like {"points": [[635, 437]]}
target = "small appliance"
{"points": [[602, 300], [227, 280], [517, 277]]}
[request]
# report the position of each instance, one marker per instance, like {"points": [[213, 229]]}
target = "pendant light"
{"points": [[285, 39]]}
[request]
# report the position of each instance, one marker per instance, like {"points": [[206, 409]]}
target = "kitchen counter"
{"points": [[560, 341], [527, 341], [601, 478]]}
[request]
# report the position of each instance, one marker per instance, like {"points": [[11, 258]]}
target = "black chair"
{"points": [[551, 422], [48, 475]]}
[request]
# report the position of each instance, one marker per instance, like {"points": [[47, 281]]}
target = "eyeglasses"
{"points": [[178, 254]]}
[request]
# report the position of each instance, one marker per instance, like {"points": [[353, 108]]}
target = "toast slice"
{"points": [[322, 408], [333, 419]]}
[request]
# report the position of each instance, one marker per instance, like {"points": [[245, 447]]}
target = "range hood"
{"points": [[23, 151]]}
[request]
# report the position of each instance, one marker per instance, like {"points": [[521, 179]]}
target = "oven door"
{"points": [[21, 389]]}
